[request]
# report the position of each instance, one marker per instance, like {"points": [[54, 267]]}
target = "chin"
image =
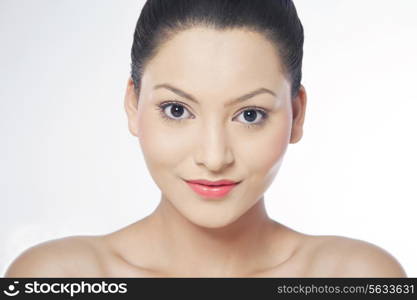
{"points": [[212, 219], [212, 223]]}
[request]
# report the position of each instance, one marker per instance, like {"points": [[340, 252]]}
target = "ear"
{"points": [[298, 109], [131, 107]]}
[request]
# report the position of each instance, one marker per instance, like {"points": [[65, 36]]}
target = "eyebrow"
{"points": [[192, 98]]}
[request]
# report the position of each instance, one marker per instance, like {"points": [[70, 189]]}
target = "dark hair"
{"points": [[277, 20]]}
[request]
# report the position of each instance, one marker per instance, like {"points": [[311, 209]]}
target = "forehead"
{"points": [[201, 57]]}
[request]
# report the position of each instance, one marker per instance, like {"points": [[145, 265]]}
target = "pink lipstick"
{"points": [[212, 189]]}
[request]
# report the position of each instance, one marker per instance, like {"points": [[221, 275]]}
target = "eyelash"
{"points": [[161, 107]]}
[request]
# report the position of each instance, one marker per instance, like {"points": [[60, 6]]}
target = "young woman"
{"points": [[214, 98]]}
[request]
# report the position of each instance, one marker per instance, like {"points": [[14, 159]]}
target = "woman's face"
{"points": [[194, 121]]}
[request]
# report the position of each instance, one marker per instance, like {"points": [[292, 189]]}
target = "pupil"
{"points": [[250, 115], [177, 110]]}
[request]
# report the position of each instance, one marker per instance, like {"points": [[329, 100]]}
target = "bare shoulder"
{"points": [[64, 257], [337, 256]]}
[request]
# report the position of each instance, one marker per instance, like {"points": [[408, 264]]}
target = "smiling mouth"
{"points": [[212, 189]]}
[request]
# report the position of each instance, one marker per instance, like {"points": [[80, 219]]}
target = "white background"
{"points": [[68, 165]]}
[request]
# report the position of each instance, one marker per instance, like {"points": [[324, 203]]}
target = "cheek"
{"points": [[160, 142], [268, 148]]}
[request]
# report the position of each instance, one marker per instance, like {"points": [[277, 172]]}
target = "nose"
{"points": [[213, 148]]}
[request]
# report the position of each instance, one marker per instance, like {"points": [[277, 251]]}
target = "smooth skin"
{"points": [[206, 71]]}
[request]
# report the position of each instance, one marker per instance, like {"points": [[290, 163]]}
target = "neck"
{"points": [[190, 249]]}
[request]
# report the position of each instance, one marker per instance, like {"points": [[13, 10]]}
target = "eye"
{"points": [[177, 112], [253, 116], [174, 111]]}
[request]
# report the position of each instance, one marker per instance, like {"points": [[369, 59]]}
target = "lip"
{"points": [[217, 182], [212, 189]]}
